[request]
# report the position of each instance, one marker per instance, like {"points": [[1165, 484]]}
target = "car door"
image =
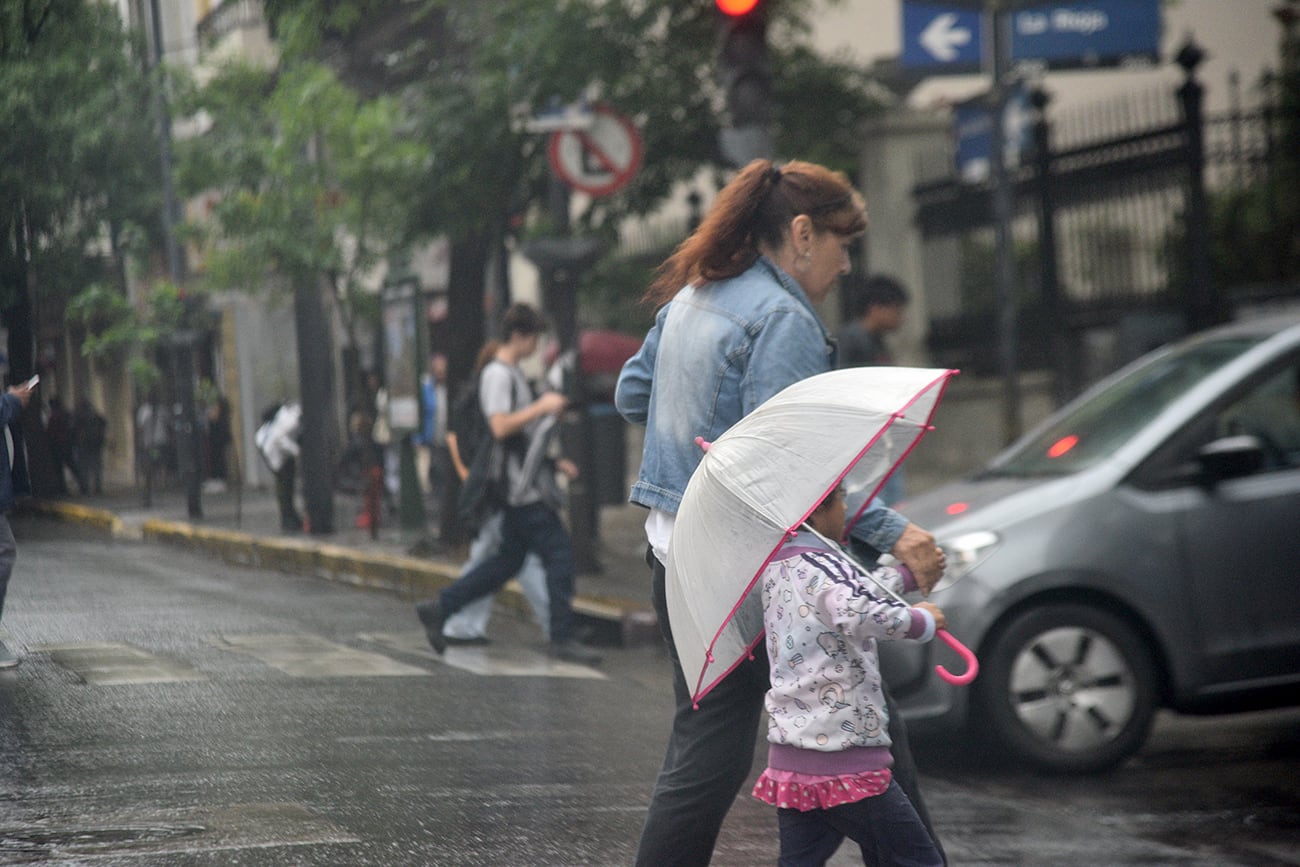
{"points": [[1240, 538]]}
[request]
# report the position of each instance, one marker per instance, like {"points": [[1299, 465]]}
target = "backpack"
{"points": [[485, 489]]}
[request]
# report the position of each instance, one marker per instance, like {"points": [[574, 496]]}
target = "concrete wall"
{"points": [[891, 168]]}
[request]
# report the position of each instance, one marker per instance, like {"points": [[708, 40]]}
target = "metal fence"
{"points": [[1108, 234]]}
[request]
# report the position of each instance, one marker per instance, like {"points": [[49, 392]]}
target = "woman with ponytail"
{"points": [[736, 323]]}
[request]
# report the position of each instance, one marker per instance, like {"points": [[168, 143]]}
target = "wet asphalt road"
{"points": [[176, 711]]}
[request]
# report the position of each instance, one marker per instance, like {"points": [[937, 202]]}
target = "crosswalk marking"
{"points": [[491, 661], [111, 663], [312, 656]]}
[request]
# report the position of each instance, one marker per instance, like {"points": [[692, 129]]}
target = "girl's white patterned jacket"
{"points": [[822, 618]]}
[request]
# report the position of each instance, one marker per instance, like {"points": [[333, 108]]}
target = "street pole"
{"points": [[562, 259], [1203, 306], [410, 503], [1063, 385], [997, 24], [183, 415], [559, 288]]}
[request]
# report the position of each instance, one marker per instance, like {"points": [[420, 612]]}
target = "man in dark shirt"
{"points": [[878, 307]]}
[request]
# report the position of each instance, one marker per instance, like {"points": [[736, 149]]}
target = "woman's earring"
{"points": [[804, 262]]}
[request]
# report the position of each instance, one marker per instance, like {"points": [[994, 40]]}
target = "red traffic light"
{"points": [[736, 8]]}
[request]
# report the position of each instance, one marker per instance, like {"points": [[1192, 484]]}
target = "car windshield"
{"points": [[1098, 426]]}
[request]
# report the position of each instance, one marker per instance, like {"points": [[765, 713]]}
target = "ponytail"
{"points": [[755, 210]]}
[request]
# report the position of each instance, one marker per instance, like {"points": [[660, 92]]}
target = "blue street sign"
{"points": [[973, 130], [945, 40], [940, 38]]}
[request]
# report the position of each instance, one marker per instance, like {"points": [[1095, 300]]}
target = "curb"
{"points": [[609, 621]]}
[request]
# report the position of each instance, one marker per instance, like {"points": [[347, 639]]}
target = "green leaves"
{"points": [[294, 163], [78, 152]]}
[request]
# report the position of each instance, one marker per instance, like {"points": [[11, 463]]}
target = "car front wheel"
{"points": [[1068, 688]]}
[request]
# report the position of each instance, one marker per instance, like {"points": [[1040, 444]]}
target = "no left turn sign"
{"points": [[599, 160]]}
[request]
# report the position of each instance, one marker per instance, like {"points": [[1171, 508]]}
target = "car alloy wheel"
{"points": [[1068, 688]]}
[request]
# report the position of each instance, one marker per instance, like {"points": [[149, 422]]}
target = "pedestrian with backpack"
{"points": [[467, 433], [518, 471]]}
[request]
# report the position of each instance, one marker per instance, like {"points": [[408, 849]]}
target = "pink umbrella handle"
{"points": [[972, 664]]}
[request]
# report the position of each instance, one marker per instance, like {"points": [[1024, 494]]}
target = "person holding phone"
{"points": [[13, 482]]}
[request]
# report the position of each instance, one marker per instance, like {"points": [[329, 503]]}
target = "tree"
{"points": [[78, 163], [465, 68], [460, 70], [307, 183]]}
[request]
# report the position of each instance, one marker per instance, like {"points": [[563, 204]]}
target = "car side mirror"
{"points": [[1231, 457]]}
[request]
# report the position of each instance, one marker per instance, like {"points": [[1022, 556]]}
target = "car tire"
{"points": [[1067, 688]]}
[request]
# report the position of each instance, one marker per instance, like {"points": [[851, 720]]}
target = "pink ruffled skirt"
{"points": [[804, 792]]}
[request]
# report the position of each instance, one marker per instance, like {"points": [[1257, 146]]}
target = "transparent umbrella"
{"points": [[759, 482]]}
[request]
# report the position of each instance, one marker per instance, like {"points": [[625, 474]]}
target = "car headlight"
{"points": [[964, 553]]}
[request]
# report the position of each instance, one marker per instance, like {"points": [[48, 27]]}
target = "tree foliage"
{"points": [[303, 177], [78, 158]]}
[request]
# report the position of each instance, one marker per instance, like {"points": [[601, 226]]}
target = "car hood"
{"points": [[991, 502]]}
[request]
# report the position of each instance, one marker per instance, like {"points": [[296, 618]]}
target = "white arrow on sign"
{"points": [[941, 38]]}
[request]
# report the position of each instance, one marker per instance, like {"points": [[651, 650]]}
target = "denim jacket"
{"points": [[713, 355]]}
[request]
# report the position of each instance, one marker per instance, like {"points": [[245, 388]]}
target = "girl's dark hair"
{"points": [[756, 208]]}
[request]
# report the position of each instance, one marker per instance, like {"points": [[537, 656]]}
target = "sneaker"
{"points": [[433, 619], [8, 659], [574, 651]]}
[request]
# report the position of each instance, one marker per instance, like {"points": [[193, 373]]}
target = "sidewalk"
{"points": [[241, 528]]}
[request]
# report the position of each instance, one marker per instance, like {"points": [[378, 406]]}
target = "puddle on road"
{"points": [[240, 826]]}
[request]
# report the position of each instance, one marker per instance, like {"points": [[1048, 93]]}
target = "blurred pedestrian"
{"points": [[219, 439], [363, 460], [152, 436], [13, 483], [277, 441], [468, 626], [58, 432], [89, 432], [877, 308], [382, 434], [735, 325], [522, 426], [433, 460]]}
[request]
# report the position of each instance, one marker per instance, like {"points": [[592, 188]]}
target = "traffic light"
{"points": [[736, 8], [743, 65], [745, 73]]}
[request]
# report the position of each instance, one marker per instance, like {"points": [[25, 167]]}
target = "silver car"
{"points": [[1139, 549]]}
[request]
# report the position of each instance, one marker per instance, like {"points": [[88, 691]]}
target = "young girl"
{"points": [[829, 754]]}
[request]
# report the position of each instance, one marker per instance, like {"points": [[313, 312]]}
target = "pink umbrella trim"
{"points": [[926, 426]]}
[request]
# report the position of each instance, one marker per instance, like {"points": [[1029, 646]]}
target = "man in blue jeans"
{"points": [[13, 481], [531, 522]]}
